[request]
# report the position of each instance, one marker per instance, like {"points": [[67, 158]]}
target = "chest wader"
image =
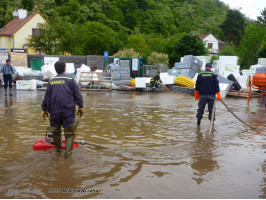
{"points": [[56, 131], [69, 136]]}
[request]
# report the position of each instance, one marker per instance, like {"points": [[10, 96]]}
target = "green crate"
{"points": [[36, 64]]}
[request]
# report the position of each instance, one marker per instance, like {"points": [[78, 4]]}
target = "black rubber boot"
{"points": [[69, 135], [56, 137]]}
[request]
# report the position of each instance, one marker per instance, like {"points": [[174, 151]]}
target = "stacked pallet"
{"points": [[236, 93]]}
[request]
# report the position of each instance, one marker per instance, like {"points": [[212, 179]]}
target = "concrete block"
{"points": [[116, 76], [261, 70], [189, 73], [121, 82], [124, 63], [179, 89]]}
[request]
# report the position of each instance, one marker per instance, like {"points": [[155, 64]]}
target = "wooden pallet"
{"points": [[95, 80], [236, 93]]}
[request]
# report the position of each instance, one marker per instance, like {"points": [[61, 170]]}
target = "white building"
{"points": [[213, 44]]}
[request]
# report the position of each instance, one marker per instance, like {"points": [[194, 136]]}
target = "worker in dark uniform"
{"points": [[156, 80], [60, 101], [9, 72], [207, 85]]}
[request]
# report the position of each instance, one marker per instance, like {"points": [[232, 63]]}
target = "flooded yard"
{"points": [[155, 149]]}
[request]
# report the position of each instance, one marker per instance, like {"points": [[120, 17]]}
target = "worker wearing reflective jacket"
{"points": [[60, 101], [207, 85], [156, 80]]}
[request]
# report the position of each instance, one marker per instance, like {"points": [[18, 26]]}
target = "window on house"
{"points": [[210, 45], [36, 31]]}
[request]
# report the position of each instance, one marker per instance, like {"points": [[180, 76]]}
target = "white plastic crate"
{"points": [[140, 82], [26, 85]]}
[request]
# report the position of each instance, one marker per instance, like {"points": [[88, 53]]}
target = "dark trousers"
{"points": [[205, 99], [7, 80], [64, 119], [154, 83]]}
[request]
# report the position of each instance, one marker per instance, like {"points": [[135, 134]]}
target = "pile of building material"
{"points": [[204, 60], [189, 67], [121, 72], [227, 65], [83, 68], [261, 70], [167, 79], [236, 93], [243, 79], [33, 75], [49, 71]]}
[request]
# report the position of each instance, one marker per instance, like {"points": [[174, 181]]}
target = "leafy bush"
{"points": [[228, 50], [158, 58], [127, 53]]}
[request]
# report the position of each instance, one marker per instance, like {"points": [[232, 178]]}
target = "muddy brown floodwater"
{"points": [[155, 149]]}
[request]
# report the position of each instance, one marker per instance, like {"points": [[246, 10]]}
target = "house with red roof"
{"points": [[213, 44], [17, 32]]}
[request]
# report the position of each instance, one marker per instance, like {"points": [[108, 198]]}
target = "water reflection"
{"points": [[8, 105], [203, 156]]}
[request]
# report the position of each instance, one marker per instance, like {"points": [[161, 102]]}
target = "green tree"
{"points": [[27, 4], [261, 53], [54, 38], [97, 38], [6, 9], [157, 44], [262, 19], [233, 27], [73, 9], [121, 41], [187, 45], [255, 36], [139, 44]]}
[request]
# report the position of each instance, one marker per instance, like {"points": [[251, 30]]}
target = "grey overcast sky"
{"points": [[251, 8]]}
